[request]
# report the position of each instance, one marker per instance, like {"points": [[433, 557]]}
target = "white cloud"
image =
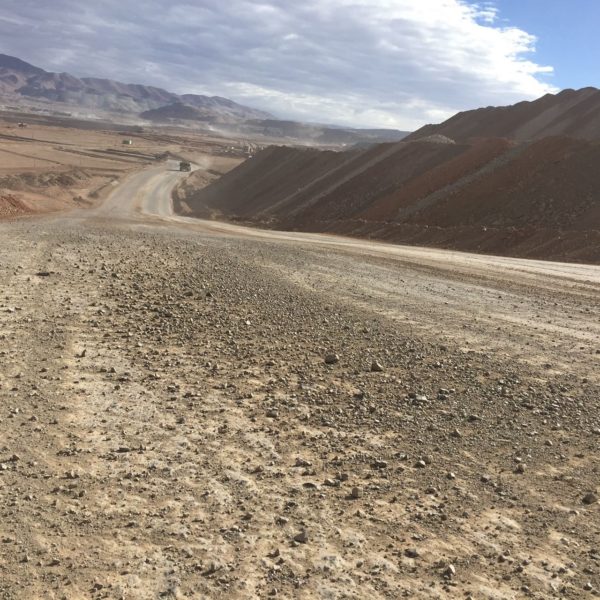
{"points": [[389, 63]]}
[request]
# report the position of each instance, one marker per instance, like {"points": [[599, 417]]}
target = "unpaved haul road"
{"points": [[542, 312], [192, 409]]}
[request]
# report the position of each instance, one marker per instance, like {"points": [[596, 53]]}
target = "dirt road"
{"points": [[197, 410], [542, 312]]}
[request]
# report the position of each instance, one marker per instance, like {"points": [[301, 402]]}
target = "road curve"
{"points": [[148, 194], [535, 311]]}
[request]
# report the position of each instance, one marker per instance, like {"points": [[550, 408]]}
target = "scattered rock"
{"points": [[356, 493], [520, 469], [331, 359], [302, 537], [379, 464], [376, 367], [449, 571]]}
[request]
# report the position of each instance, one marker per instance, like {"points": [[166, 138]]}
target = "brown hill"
{"points": [[175, 112], [573, 113], [274, 176], [537, 199]]}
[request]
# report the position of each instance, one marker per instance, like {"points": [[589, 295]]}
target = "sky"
{"points": [[362, 63], [567, 36]]}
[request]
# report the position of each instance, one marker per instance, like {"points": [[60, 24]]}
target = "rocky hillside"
{"points": [[537, 199], [175, 111], [574, 113], [22, 80]]}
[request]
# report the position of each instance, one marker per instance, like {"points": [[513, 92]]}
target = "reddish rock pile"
{"points": [[574, 113], [538, 198]]}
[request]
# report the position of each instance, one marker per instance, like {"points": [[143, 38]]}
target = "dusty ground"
{"points": [[169, 426], [46, 168], [50, 166]]}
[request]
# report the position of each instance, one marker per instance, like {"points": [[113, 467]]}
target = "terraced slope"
{"points": [[575, 113], [537, 199]]}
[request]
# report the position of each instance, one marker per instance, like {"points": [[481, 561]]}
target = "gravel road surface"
{"points": [[191, 409]]}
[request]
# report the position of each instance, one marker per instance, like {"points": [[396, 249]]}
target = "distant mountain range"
{"points": [[21, 81]]}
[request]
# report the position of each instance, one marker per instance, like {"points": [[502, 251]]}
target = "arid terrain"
{"points": [[194, 409], [518, 181], [572, 113], [50, 164]]}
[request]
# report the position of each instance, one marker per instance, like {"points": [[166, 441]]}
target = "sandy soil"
{"points": [[195, 410], [47, 168]]}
